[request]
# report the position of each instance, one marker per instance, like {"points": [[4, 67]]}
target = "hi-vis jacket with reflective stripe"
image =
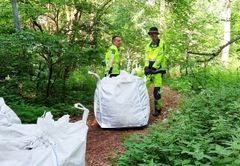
{"points": [[112, 53], [154, 56]]}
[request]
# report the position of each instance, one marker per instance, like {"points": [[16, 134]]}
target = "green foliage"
{"points": [[203, 131], [46, 64], [41, 65], [6, 21], [29, 113], [235, 25], [81, 87], [199, 79]]}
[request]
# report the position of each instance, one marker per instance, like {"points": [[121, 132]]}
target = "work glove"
{"points": [[110, 71], [147, 71], [153, 69]]}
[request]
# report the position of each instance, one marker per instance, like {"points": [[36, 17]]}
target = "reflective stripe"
{"points": [[151, 60]]}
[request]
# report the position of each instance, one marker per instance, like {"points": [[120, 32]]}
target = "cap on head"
{"points": [[153, 30]]}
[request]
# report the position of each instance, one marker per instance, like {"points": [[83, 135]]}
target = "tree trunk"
{"points": [[49, 80], [65, 74], [38, 79], [128, 58], [15, 15], [162, 14], [35, 24], [227, 32]]}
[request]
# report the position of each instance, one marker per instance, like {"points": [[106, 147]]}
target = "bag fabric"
{"points": [[7, 115], [121, 102], [47, 143]]}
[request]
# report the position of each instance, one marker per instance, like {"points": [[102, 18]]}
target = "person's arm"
{"points": [[111, 61], [147, 71], [160, 62], [146, 60]]}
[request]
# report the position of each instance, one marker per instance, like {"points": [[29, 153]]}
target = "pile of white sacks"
{"points": [[47, 143]]}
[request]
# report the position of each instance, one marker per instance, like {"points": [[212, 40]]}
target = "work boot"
{"points": [[157, 112]]}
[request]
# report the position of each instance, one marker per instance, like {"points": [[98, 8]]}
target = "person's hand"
{"points": [[147, 71], [153, 69], [110, 71]]}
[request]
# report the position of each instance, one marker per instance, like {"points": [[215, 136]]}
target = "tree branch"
{"points": [[201, 53], [37, 25], [207, 60], [214, 54]]}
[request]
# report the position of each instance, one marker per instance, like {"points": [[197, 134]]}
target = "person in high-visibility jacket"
{"points": [[112, 58], [155, 67]]}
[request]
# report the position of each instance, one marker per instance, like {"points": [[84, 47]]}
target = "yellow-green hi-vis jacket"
{"points": [[112, 52], [155, 57]]}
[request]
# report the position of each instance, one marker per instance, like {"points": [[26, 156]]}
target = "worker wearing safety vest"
{"points": [[112, 58], [155, 64]]}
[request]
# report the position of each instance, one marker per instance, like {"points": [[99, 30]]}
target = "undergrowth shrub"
{"points": [[204, 130]]}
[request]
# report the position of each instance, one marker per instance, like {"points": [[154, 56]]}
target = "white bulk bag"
{"points": [[47, 143], [7, 116], [121, 101]]}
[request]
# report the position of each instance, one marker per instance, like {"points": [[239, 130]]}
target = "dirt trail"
{"points": [[102, 144]]}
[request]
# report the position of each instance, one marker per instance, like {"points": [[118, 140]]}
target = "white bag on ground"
{"points": [[47, 143], [7, 116], [121, 101]]}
